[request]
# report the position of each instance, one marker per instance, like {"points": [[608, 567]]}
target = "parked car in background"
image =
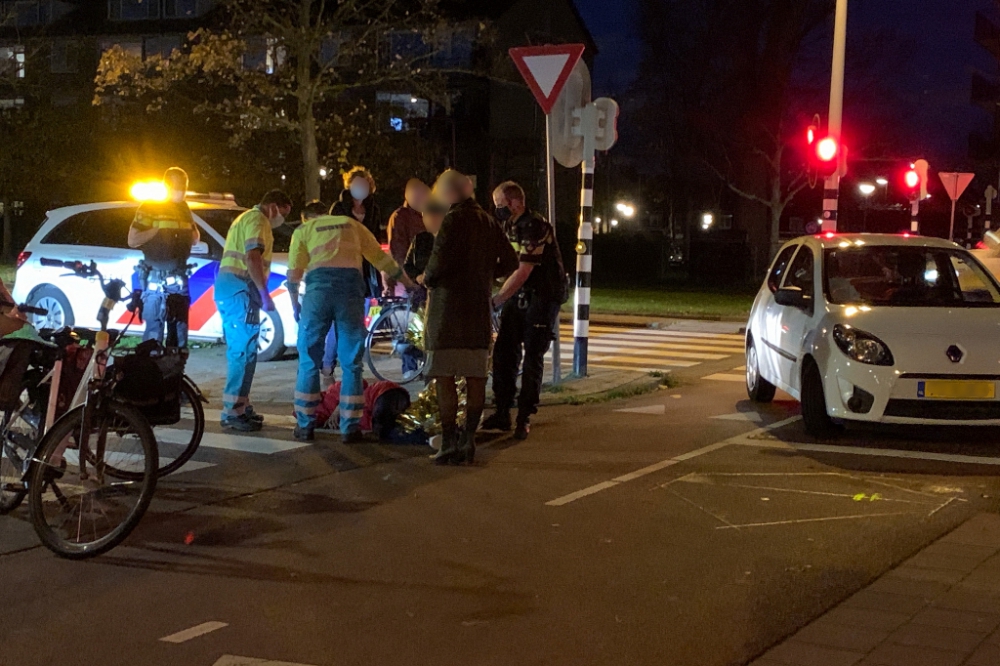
{"points": [[878, 328]]}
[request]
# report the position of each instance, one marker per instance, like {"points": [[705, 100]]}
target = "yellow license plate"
{"points": [[374, 312], [956, 389]]}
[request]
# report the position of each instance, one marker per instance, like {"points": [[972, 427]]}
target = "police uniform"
{"points": [[239, 303], [163, 271], [528, 318], [331, 249]]}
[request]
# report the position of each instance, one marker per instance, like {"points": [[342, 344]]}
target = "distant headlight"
{"points": [[862, 347]]}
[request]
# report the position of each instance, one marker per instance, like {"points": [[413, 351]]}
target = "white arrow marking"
{"points": [[545, 69], [193, 632]]}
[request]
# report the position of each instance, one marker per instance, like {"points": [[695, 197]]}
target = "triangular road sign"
{"points": [[955, 183], [546, 68]]}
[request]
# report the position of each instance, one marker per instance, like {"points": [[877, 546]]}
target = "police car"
{"points": [[99, 232]]}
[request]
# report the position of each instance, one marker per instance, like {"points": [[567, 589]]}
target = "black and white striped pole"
{"points": [[991, 194], [598, 125]]}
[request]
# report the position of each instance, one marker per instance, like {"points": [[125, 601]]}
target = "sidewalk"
{"points": [[712, 325], [274, 384], [939, 608]]}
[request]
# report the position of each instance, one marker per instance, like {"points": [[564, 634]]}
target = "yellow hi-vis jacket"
{"points": [[337, 241], [250, 231]]}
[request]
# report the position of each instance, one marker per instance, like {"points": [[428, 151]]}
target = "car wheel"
{"points": [[271, 341], [758, 388], [814, 415], [51, 299]]}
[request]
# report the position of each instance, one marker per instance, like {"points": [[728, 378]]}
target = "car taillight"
{"points": [[23, 257]]}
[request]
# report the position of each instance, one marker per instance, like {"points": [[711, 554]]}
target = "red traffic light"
{"points": [[912, 179], [811, 135], [827, 149]]}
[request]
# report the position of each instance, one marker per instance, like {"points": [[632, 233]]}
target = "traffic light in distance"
{"points": [[825, 156], [911, 183]]}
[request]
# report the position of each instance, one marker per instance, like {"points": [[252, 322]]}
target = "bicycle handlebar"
{"points": [[29, 309], [112, 288]]}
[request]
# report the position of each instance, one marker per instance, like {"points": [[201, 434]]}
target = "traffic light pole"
{"points": [[831, 188], [914, 212]]}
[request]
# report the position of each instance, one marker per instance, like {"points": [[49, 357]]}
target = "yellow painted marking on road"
{"points": [[861, 497]]}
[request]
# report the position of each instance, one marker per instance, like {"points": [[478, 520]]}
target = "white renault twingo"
{"points": [[878, 328]]}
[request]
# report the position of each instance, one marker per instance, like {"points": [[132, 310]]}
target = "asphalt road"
{"points": [[685, 527]]}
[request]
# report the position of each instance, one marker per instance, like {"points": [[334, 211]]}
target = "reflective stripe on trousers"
{"points": [[333, 297]]}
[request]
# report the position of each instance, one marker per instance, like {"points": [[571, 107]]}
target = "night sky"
{"points": [[936, 81]]}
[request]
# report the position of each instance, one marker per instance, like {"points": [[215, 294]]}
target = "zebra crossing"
{"points": [[647, 349]]}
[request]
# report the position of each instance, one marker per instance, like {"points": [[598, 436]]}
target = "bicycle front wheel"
{"points": [[79, 509], [394, 348], [18, 435]]}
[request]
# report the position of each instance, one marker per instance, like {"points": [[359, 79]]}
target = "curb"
{"points": [[629, 389]]}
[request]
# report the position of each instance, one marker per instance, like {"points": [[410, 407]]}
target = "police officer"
{"points": [[530, 299], [330, 250], [241, 292], [165, 232]]}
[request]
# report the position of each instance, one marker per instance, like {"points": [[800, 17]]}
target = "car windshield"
{"points": [[221, 219], [907, 276]]}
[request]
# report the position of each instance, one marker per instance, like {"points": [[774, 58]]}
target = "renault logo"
{"points": [[955, 354]]}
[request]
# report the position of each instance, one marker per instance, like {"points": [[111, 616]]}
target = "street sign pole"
{"points": [[550, 175], [585, 243], [955, 184], [991, 194]]}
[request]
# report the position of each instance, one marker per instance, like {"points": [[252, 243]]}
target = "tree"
{"points": [[304, 70], [714, 83]]}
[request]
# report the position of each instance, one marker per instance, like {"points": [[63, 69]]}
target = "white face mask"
{"points": [[360, 190], [277, 221]]}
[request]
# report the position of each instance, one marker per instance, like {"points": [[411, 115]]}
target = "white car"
{"points": [[99, 232], [878, 328]]}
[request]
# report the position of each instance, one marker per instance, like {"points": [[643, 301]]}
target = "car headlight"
{"points": [[862, 347]]}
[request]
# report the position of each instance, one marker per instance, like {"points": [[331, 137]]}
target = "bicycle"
{"points": [[176, 445], [394, 345], [91, 476]]}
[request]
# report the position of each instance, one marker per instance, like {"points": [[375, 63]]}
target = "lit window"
{"points": [[404, 107], [12, 61], [11, 103], [263, 54]]}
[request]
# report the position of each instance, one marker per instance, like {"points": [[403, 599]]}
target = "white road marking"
{"points": [[872, 452], [194, 632], [652, 409], [243, 443], [189, 466], [232, 660], [811, 520], [722, 377], [752, 417], [572, 497]]}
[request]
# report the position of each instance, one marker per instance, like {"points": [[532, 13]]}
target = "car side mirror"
{"points": [[200, 249], [793, 297]]}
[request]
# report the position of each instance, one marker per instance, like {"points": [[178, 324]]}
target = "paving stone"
{"points": [[863, 617], [884, 601], [945, 638], [951, 556], [988, 654], [845, 637], [894, 654], [937, 575], [975, 601], [925, 589], [956, 619], [806, 654], [982, 530]]}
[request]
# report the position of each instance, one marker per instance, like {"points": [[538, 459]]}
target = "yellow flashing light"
{"points": [[149, 190]]}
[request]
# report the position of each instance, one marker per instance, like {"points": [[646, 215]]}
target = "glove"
{"points": [[296, 310]]}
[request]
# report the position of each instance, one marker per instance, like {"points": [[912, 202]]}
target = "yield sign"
{"points": [[546, 69], [955, 183]]}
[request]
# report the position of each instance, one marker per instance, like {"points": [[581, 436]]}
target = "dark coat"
{"points": [[373, 215], [419, 254], [470, 253]]}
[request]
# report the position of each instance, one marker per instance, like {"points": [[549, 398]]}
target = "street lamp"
{"points": [[866, 189], [628, 210], [707, 220], [614, 223], [882, 182], [323, 172]]}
